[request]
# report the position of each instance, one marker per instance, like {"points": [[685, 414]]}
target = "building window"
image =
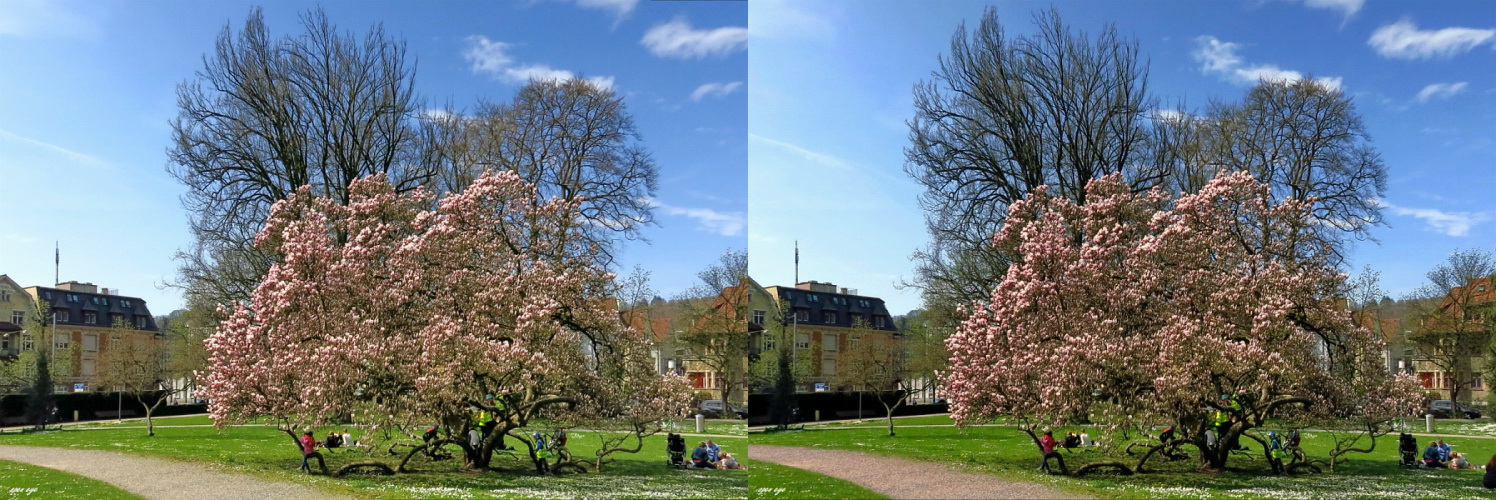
{"points": [[5, 344], [61, 340], [863, 303], [73, 297], [828, 367], [878, 321], [828, 316], [810, 297], [47, 295], [125, 304], [114, 341], [758, 316], [4, 295], [61, 315], [90, 342], [768, 343], [18, 317], [802, 341], [26, 344], [88, 367], [90, 317], [140, 322], [802, 316], [828, 342]]}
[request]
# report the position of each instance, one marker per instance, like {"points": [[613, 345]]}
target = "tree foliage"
{"points": [[717, 316], [1304, 139], [136, 363], [1451, 309], [1004, 115], [875, 361], [425, 310], [1137, 310], [265, 117], [569, 138]]}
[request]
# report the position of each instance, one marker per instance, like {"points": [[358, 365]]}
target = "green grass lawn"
{"points": [[1008, 453], [788, 482], [18, 480], [265, 452]]}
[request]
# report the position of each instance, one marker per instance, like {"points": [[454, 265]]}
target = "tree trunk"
{"points": [[150, 410], [888, 409]]}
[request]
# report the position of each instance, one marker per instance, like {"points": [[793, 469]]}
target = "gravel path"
{"points": [[155, 478], [901, 478]]}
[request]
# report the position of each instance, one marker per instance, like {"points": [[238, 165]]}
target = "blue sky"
{"points": [[87, 91], [830, 93]]}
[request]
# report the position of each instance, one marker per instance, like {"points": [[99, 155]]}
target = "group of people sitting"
{"points": [[1438, 455], [339, 440], [708, 455], [1082, 440]]}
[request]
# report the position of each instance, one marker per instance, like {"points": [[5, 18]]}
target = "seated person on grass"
{"points": [[701, 457], [1071, 441], [1489, 481], [1431, 456], [728, 462], [1457, 460]]}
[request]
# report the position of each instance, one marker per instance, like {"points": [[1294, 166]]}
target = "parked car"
{"points": [[1444, 408], [713, 407]]}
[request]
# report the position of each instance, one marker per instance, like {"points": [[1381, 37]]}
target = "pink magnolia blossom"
{"points": [[403, 310], [1137, 311]]}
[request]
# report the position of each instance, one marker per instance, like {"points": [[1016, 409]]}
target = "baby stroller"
{"points": [[1408, 447], [676, 446]]}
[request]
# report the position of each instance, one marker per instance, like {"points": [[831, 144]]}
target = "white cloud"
{"points": [[619, 7], [1440, 91], [438, 115], [1220, 58], [1448, 223], [712, 221], [1167, 115], [678, 40], [788, 19], [821, 158], [492, 58], [70, 154], [1347, 7], [1403, 40], [714, 89]]}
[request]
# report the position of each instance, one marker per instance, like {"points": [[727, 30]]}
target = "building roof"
{"points": [[1452, 314], [819, 298], [104, 306]]}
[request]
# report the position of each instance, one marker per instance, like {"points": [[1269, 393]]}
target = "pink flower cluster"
{"points": [[1138, 308], [403, 310]]}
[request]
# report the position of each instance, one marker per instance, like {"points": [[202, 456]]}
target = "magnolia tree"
{"points": [[1136, 310], [398, 311]]}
